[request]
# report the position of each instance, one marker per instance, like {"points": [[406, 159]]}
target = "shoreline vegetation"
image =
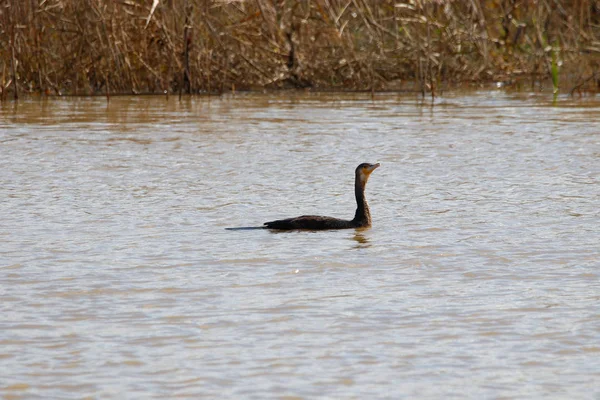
{"points": [[106, 47]]}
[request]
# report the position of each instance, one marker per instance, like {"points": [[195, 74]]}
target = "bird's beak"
{"points": [[373, 167]]}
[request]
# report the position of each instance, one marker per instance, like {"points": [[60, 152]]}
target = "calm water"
{"points": [[479, 278]]}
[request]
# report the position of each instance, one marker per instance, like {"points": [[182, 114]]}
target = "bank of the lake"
{"points": [[88, 47]]}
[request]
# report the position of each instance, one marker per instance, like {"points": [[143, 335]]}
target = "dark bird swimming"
{"points": [[362, 217]]}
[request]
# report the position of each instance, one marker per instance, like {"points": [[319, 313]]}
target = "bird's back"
{"points": [[310, 222]]}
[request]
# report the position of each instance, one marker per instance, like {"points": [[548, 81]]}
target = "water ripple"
{"points": [[479, 277]]}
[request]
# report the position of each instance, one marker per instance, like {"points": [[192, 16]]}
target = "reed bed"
{"points": [[88, 47]]}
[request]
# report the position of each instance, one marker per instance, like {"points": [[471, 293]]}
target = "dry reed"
{"points": [[201, 46]]}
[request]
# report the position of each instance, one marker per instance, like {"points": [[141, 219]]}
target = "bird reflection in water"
{"points": [[362, 241]]}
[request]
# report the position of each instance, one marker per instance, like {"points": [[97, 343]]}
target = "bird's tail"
{"points": [[245, 228]]}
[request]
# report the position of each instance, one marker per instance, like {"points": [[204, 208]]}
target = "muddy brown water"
{"points": [[479, 277]]}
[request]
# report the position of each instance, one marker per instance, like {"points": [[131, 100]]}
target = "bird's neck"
{"points": [[363, 214]]}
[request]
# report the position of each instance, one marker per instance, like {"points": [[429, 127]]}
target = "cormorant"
{"points": [[362, 217]]}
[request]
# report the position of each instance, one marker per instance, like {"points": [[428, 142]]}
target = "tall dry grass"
{"points": [[191, 46]]}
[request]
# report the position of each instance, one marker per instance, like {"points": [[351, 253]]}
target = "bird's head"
{"points": [[363, 171]]}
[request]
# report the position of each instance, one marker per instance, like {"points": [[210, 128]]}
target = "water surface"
{"points": [[478, 279]]}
